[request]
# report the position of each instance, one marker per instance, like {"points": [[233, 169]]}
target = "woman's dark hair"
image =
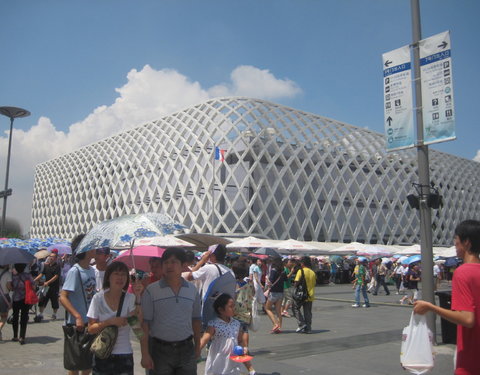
{"points": [[470, 230], [277, 263], [221, 301], [176, 252], [240, 269], [190, 256], [76, 241], [115, 267], [74, 245], [19, 267]]}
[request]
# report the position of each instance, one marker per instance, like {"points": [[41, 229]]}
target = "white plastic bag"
{"points": [[255, 322], [416, 354]]}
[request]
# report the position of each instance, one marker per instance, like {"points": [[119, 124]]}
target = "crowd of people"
{"points": [[182, 305]]}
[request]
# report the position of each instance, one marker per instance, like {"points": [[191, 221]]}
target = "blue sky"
{"points": [[88, 69]]}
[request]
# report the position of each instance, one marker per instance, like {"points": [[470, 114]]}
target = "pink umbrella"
{"points": [[141, 255]]}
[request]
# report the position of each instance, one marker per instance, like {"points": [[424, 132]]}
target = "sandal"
{"points": [[274, 329]]}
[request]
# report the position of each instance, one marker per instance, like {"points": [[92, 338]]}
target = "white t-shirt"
{"points": [[99, 278], [100, 310], [6, 277], [436, 270], [208, 273]]}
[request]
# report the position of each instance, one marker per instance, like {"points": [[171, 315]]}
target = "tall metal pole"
{"points": [[5, 196], [12, 113], [423, 174]]}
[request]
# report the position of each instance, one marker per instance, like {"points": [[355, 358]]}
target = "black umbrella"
{"points": [[267, 251], [12, 255]]}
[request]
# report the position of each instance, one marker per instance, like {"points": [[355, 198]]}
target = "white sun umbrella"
{"points": [[410, 250], [292, 244], [349, 248], [249, 242], [371, 250], [162, 241]]}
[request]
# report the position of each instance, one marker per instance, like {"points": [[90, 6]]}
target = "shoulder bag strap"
{"points": [[83, 291], [304, 281], [120, 304], [278, 278], [219, 270]]}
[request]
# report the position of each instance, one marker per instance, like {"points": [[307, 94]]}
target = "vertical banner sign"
{"points": [[397, 92], [437, 89]]}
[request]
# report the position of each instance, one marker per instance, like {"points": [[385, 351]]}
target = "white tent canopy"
{"points": [[410, 250], [249, 242]]}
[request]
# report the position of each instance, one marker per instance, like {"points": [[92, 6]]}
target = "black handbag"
{"points": [[76, 345], [300, 293], [76, 349]]}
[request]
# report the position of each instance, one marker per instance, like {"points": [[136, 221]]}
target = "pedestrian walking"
{"points": [[19, 306], [275, 285], [225, 334], [360, 283], [50, 287], [304, 319], [380, 276]]}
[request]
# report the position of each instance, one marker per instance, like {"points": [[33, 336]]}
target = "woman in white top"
{"points": [[102, 313], [255, 274]]}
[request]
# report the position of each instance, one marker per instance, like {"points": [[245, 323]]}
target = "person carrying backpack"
{"points": [[215, 276]]}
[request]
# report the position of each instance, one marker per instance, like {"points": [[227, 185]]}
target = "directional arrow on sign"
{"points": [[389, 120], [443, 45], [388, 62]]}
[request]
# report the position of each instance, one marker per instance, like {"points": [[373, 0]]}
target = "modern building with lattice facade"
{"points": [[282, 173]]}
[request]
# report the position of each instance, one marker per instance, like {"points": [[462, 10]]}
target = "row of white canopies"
{"points": [[292, 246]]}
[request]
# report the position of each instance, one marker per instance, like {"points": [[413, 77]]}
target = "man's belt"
{"points": [[173, 343]]}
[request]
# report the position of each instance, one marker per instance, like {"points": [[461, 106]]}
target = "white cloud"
{"points": [[477, 157], [251, 81], [148, 94]]}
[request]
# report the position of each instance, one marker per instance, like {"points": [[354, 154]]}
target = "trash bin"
{"points": [[449, 329]]}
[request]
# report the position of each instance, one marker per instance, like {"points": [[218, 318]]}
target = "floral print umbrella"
{"points": [[122, 232]]}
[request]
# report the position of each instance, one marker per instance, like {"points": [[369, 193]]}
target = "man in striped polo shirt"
{"points": [[172, 320]]}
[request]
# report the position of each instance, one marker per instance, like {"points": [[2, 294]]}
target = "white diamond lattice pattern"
{"points": [[286, 174]]}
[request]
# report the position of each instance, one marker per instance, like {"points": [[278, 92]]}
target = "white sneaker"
{"points": [[300, 329], [355, 305], [365, 305]]}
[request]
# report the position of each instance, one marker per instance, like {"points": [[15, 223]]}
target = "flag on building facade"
{"points": [[220, 154]]}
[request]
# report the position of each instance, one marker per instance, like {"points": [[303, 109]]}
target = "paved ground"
{"points": [[344, 341]]}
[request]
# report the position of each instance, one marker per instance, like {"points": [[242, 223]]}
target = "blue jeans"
{"points": [[363, 288], [116, 364], [173, 360]]}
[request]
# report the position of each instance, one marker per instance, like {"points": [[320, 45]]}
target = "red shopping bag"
{"points": [[31, 297]]}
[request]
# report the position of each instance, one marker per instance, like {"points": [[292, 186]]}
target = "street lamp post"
{"points": [[12, 113]]}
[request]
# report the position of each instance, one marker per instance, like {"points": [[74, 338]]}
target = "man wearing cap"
{"points": [[102, 257], [210, 267], [360, 283]]}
